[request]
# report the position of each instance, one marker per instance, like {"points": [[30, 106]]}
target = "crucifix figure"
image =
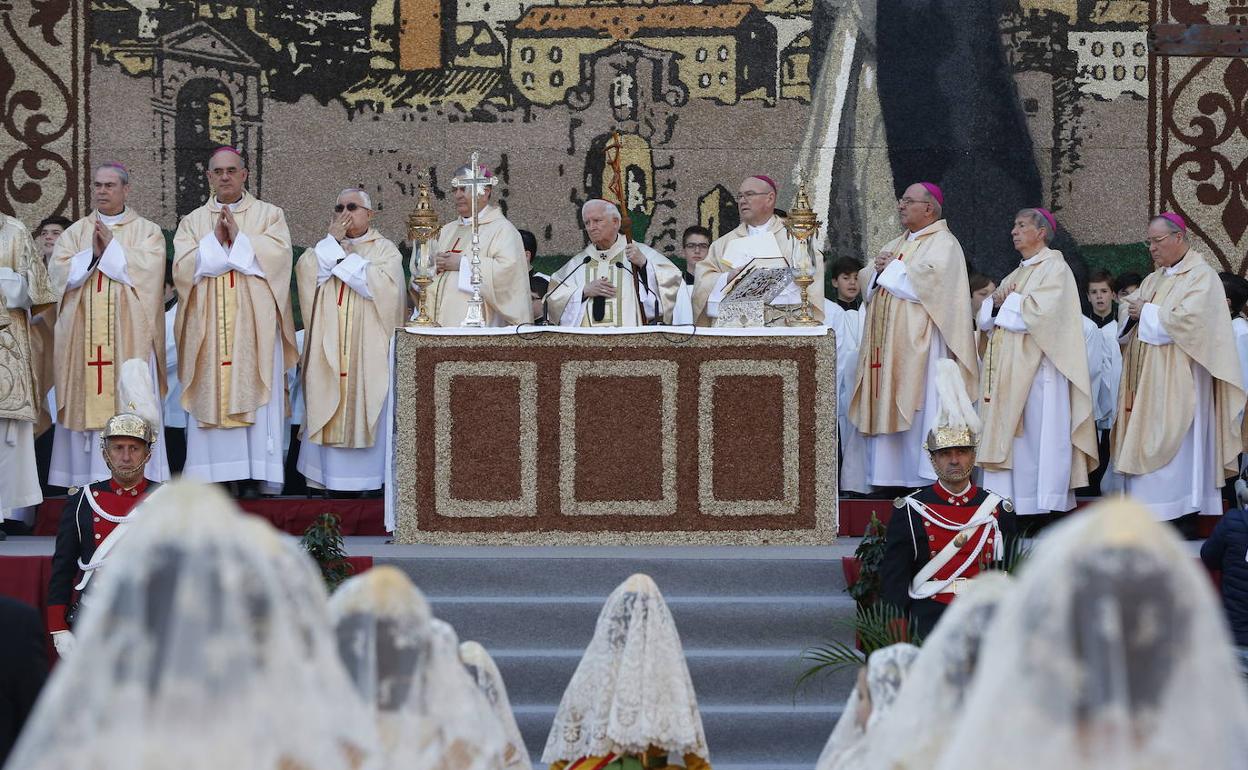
{"points": [[476, 183]]}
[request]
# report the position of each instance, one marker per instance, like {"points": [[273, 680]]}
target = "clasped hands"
{"points": [[226, 230], [101, 237], [1002, 293], [1135, 306]]}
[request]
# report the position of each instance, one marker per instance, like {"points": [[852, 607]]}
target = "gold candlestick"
{"points": [[422, 225]]}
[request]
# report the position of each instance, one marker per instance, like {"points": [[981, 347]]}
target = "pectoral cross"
{"points": [[99, 363], [475, 182]]}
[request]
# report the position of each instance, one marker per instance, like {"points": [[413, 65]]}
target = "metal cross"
{"points": [[475, 182]]}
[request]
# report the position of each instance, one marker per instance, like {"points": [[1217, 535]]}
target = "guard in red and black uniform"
{"points": [[944, 535], [95, 518]]}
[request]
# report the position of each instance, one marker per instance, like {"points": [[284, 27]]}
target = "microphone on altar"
{"points": [[658, 298], [546, 299]]}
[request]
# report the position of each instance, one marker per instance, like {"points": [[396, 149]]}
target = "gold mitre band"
{"points": [[126, 424], [947, 437]]}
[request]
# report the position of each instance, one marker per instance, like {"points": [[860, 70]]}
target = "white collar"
{"points": [[230, 206], [467, 221], [1172, 269], [1033, 259], [762, 229], [110, 219], [911, 236]]}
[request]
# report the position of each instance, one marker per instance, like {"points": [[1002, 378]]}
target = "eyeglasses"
{"points": [[697, 246], [349, 207], [748, 194], [909, 201], [1158, 240]]}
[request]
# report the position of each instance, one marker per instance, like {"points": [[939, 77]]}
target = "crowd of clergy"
{"points": [[1143, 393], [213, 643]]}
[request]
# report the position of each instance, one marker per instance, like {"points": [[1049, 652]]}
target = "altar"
{"points": [[651, 435]]}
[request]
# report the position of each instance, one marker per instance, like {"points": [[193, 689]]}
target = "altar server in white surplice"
{"points": [[351, 292], [1039, 435]]}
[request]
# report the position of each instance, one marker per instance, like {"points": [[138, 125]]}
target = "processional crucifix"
{"points": [[475, 182]]}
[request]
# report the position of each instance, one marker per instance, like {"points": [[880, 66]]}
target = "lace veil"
{"points": [[1113, 653], [631, 689], [912, 734], [203, 644], [406, 665], [485, 673], [886, 670]]}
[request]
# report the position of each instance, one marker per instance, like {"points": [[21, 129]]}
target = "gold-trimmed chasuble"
{"points": [[879, 316], [100, 356], [227, 313], [335, 431]]}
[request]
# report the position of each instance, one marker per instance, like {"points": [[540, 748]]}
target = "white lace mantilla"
{"points": [[632, 688]]}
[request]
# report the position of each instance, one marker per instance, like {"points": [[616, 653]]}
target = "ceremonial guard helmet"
{"points": [[140, 415], [957, 423]]}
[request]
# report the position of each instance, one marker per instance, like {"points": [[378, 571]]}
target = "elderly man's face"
{"points": [[915, 209], [756, 201], [109, 192], [602, 226], [1026, 236], [463, 201], [1166, 247], [47, 239], [351, 205], [226, 176]]}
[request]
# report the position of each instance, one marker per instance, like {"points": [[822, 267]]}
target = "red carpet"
{"points": [[289, 514]]}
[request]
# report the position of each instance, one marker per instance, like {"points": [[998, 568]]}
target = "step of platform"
{"points": [[744, 615]]}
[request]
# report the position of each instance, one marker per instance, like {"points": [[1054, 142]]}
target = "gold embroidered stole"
{"points": [[879, 316], [346, 302], [227, 313], [101, 350], [992, 353], [1133, 365]]}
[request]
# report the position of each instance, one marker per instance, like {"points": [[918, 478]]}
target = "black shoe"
{"points": [[15, 528]]}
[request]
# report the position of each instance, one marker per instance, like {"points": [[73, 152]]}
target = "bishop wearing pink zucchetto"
{"points": [[918, 311], [759, 241], [235, 331], [1178, 435], [1035, 393]]}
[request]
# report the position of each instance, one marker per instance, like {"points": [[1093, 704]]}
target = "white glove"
{"points": [[64, 642]]}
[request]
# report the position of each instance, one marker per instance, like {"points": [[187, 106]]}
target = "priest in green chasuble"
{"points": [[504, 267], [612, 282]]}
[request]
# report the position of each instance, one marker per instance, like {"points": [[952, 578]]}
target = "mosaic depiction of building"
{"points": [[1006, 103]]}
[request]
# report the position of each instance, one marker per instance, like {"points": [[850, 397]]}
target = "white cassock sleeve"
{"points": [[1010, 316], [212, 259], [328, 253], [1241, 346], [353, 271], [13, 289], [465, 274], [895, 279], [682, 314], [1151, 331], [716, 296]]}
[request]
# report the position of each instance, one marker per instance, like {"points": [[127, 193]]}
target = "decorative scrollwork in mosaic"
{"points": [[38, 110]]}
